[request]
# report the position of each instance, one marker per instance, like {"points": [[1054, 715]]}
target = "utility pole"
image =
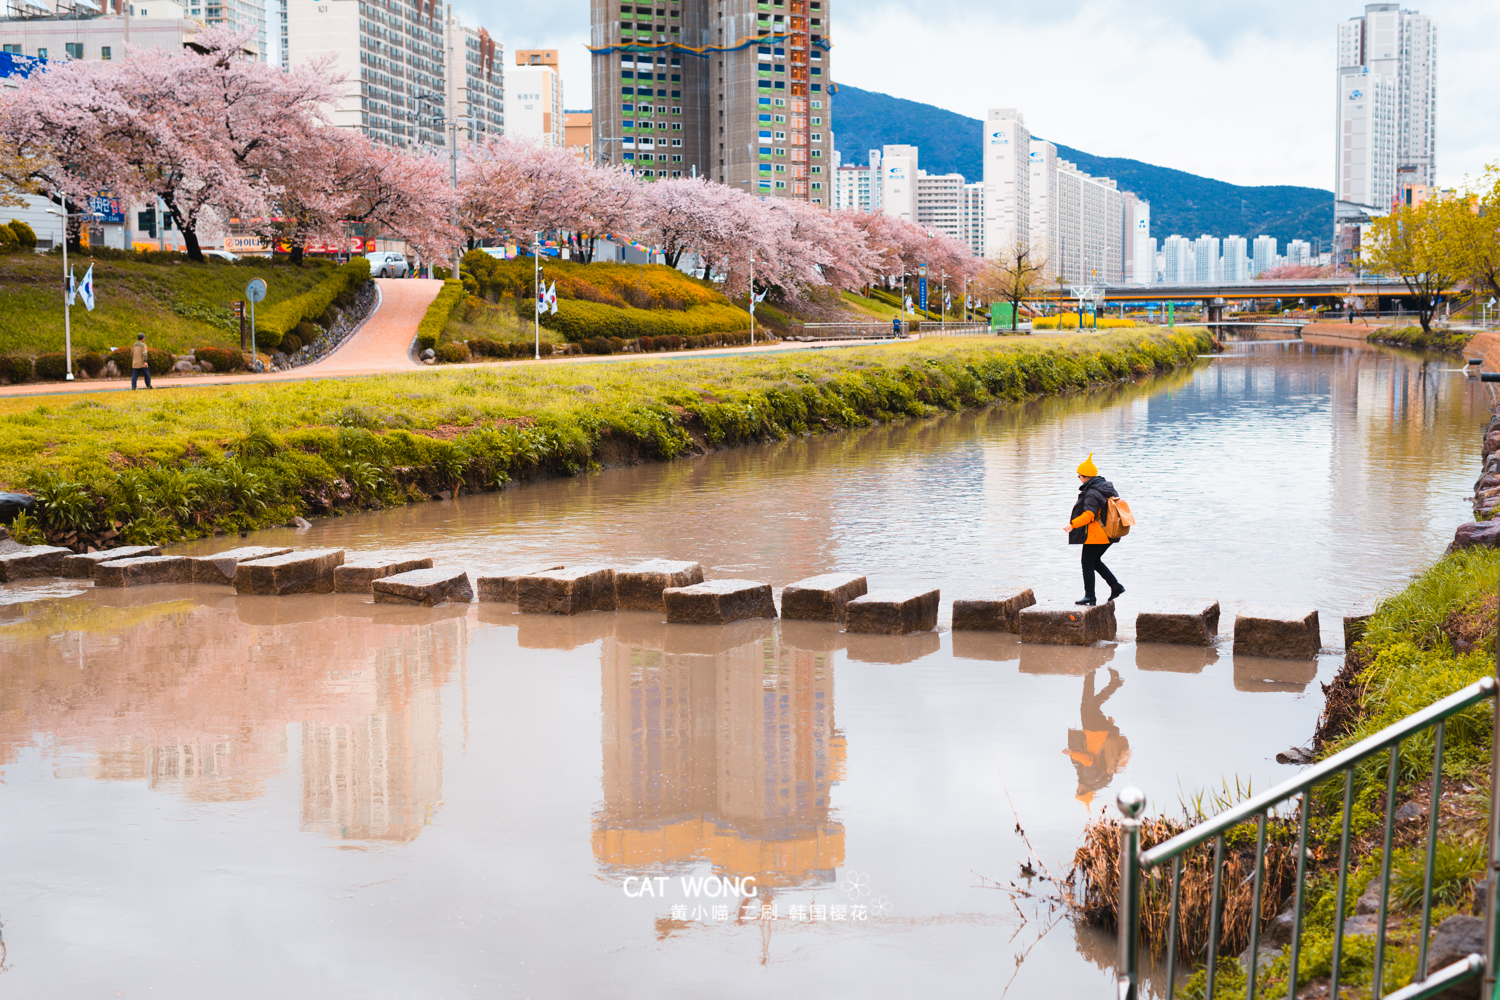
{"points": [[536, 280], [752, 300]]}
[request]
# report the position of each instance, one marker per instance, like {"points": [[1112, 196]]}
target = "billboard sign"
{"points": [[107, 208]]}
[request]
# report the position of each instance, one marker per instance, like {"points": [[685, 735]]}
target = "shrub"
{"points": [[432, 324], [17, 368], [25, 235], [486, 348], [579, 320], [8, 241], [92, 363], [223, 359], [597, 345], [159, 362], [1069, 321], [452, 352], [51, 367], [307, 332], [274, 322], [291, 343]]}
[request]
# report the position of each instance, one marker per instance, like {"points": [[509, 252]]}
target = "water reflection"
{"points": [[721, 755], [1098, 750], [166, 686]]}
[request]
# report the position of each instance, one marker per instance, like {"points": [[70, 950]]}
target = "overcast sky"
{"points": [[1241, 91]]}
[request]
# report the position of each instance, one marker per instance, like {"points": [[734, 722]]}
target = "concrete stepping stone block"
{"points": [[355, 577], [143, 571], [640, 587], [81, 566], [822, 598], [1357, 620], [996, 613], [33, 561], [220, 567], [501, 587], [893, 612], [427, 586], [567, 591], [719, 602], [1283, 633], [1191, 623], [306, 572], [1063, 624]]}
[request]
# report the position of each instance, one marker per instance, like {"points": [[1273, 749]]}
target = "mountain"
{"points": [[1181, 203]]}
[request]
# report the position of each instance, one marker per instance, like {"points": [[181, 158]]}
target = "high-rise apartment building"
{"points": [[536, 97], [233, 14], [898, 182], [971, 217], [1178, 263], [578, 134], [1299, 252], [1236, 266], [1078, 221], [940, 200], [1205, 259], [393, 56], [1263, 255], [1387, 108], [730, 89], [475, 81], [1139, 248], [1007, 180]]}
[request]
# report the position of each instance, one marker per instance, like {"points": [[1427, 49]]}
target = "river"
{"points": [[208, 795]]}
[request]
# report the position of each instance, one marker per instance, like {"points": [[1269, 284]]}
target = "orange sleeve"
{"points": [[1085, 518]]}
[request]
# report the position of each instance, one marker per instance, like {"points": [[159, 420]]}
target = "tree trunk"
{"points": [[194, 251], [294, 256]]}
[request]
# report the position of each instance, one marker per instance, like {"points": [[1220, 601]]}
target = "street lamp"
{"points": [[63, 214]]}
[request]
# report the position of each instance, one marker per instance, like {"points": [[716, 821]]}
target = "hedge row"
{"points": [[54, 367], [274, 322], [1069, 321], [431, 327], [641, 286], [578, 321]]}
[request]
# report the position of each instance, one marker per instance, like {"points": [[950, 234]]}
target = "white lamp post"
{"points": [[67, 285]]}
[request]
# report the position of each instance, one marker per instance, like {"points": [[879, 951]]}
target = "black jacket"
{"points": [[1093, 496]]}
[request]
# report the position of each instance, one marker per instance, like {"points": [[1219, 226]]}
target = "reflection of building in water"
{"points": [[727, 758], [186, 697], [378, 776], [1098, 749]]}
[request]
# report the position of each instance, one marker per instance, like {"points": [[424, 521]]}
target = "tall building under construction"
{"points": [[734, 90]]}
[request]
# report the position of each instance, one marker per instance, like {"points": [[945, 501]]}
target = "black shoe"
{"points": [[1115, 592], [1088, 601]]}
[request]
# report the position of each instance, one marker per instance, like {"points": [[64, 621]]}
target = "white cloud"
{"points": [[1239, 91]]}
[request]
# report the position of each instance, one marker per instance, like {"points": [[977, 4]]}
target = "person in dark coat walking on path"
{"points": [[1086, 528]]}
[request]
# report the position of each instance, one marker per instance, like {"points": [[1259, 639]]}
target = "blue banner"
{"points": [[107, 208], [922, 294]]}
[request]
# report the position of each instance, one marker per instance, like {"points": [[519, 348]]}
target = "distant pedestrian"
{"points": [[1086, 528], [140, 362], [896, 326]]}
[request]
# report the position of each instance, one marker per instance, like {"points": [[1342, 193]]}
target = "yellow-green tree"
{"points": [[1015, 274], [1472, 237], [1415, 244]]}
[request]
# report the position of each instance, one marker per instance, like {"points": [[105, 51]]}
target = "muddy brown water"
{"points": [[208, 795]]}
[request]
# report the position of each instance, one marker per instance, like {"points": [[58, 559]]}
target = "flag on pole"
{"points": [[552, 297], [909, 310], [947, 300], [754, 298], [86, 288], [71, 291]]}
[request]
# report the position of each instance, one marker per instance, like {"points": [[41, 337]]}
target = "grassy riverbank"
{"points": [[165, 466], [1439, 341], [1425, 642]]}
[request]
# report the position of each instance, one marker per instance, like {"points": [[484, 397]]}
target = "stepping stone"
{"points": [[501, 589], [427, 586], [219, 567], [1062, 624], [1193, 623], [894, 612], [1284, 633], [33, 561], [568, 591], [143, 571], [1357, 620], [719, 602], [355, 577], [307, 572], [640, 587], [822, 598], [992, 614], [82, 565]]}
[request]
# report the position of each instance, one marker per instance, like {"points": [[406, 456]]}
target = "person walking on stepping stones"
{"points": [[1086, 528]]}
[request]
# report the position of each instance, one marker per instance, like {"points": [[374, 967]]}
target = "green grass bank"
{"points": [[166, 466]]}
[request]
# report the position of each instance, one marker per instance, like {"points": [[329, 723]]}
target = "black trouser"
{"points": [[136, 373], [1093, 560]]}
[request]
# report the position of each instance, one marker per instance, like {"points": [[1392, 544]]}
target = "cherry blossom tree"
{"points": [[610, 201], [688, 215], [515, 187]]}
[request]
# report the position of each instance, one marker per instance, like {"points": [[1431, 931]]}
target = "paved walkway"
{"points": [[383, 346]]}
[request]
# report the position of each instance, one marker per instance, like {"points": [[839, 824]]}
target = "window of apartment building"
{"points": [[781, 135], [781, 168], [781, 185], [627, 107], [765, 134], [73, 50], [628, 124], [781, 119], [816, 137], [817, 152], [676, 111], [781, 103], [817, 186], [677, 173], [817, 105], [780, 150], [676, 126], [817, 121], [41, 53], [677, 142], [819, 170], [765, 150], [9, 49]]}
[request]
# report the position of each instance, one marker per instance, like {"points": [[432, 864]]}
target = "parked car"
{"points": [[387, 264], [222, 255]]}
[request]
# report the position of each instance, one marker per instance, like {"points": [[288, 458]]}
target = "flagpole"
{"points": [[752, 300], [536, 277]]}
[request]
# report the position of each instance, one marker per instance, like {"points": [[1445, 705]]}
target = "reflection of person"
{"points": [[140, 362], [1086, 528], [1098, 749]]}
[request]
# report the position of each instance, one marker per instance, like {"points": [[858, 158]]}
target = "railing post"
{"points": [[1130, 802], [1491, 910]]}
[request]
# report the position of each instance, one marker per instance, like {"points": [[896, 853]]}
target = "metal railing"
{"points": [[847, 331], [1135, 864]]}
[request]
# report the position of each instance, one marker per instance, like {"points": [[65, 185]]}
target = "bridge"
{"points": [[1234, 291]]}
